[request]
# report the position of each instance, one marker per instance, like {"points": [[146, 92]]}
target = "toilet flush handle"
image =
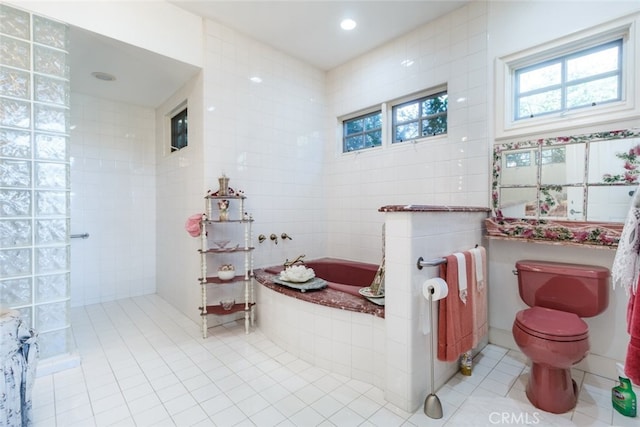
{"points": [[515, 272]]}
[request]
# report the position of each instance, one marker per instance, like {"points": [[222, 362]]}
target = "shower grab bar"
{"points": [[79, 236]]}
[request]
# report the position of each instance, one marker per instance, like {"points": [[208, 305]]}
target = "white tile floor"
{"points": [[145, 364]]}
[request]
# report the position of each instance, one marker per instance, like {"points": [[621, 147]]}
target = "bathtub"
{"points": [[344, 280], [334, 328]]}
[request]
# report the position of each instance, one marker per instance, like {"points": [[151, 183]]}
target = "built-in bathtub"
{"points": [[334, 328], [344, 280]]}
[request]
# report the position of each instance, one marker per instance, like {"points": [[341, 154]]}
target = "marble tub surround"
{"points": [[432, 208], [328, 297]]}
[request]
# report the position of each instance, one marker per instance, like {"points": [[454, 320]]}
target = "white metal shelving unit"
{"points": [[213, 221]]}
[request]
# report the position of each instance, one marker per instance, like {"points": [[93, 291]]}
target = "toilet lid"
{"points": [[553, 325]]}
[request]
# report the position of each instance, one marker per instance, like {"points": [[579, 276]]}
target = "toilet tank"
{"points": [[575, 288]]}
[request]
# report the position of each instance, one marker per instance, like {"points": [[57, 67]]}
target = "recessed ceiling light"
{"points": [[255, 79], [348, 24], [407, 63], [103, 76]]}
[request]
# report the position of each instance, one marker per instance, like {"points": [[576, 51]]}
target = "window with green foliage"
{"points": [[581, 79], [419, 118], [553, 155], [362, 132], [179, 131]]}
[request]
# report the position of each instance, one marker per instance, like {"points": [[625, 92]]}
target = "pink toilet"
{"points": [[551, 333]]}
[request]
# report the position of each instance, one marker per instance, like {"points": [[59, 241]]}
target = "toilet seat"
{"points": [[552, 325]]}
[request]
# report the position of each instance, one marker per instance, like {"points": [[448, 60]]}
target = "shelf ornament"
{"points": [[223, 208], [223, 183]]}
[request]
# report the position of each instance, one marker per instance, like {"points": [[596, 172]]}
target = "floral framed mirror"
{"points": [[575, 188]]}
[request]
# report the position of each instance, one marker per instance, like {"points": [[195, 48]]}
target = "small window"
{"points": [[581, 79], [553, 155], [419, 118], [362, 132], [179, 131], [518, 159]]}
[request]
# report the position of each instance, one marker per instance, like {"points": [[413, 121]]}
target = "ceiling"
{"points": [[142, 77], [310, 30], [307, 30]]}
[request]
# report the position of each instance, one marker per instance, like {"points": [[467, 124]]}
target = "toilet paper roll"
{"points": [[435, 289]]}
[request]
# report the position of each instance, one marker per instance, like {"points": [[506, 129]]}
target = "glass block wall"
{"points": [[34, 175]]}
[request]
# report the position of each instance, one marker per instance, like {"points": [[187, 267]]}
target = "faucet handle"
{"points": [[285, 236], [274, 238]]}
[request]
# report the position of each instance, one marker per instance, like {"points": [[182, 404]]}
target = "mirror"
{"points": [[578, 178], [584, 179]]}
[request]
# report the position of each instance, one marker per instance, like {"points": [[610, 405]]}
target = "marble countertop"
{"points": [[432, 208]]}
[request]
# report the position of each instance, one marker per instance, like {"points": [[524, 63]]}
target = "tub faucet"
{"points": [[274, 238], [298, 260]]}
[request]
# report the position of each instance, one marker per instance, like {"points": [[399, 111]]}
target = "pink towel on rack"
{"points": [[479, 289], [632, 362], [455, 318]]}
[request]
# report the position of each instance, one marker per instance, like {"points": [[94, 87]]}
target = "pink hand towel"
{"points": [[455, 318], [193, 225], [479, 290], [632, 362]]}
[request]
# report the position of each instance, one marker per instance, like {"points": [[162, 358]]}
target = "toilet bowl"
{"points": [[552, 353], [551, 333]]}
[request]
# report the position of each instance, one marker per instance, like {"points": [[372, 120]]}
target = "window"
{"points": [[179, 131], [583, 79], [518, 159], [589, 77], [553, 155], [362, 132], [418, 118], [409, 118]]}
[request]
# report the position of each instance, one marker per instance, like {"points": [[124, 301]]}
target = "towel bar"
{"points": [[430, 263]]}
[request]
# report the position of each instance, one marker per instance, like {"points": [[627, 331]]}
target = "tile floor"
{"points": [[145, 364]]}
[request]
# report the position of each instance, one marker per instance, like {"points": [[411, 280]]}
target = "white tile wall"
{"points": [[112, 199], [180, 194], [410, 236], [450, 170], [268, 138]]}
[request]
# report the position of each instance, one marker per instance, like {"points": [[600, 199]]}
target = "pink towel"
{"points": [[632, 362], [455, 318], [479, 289], [193, 225]]}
